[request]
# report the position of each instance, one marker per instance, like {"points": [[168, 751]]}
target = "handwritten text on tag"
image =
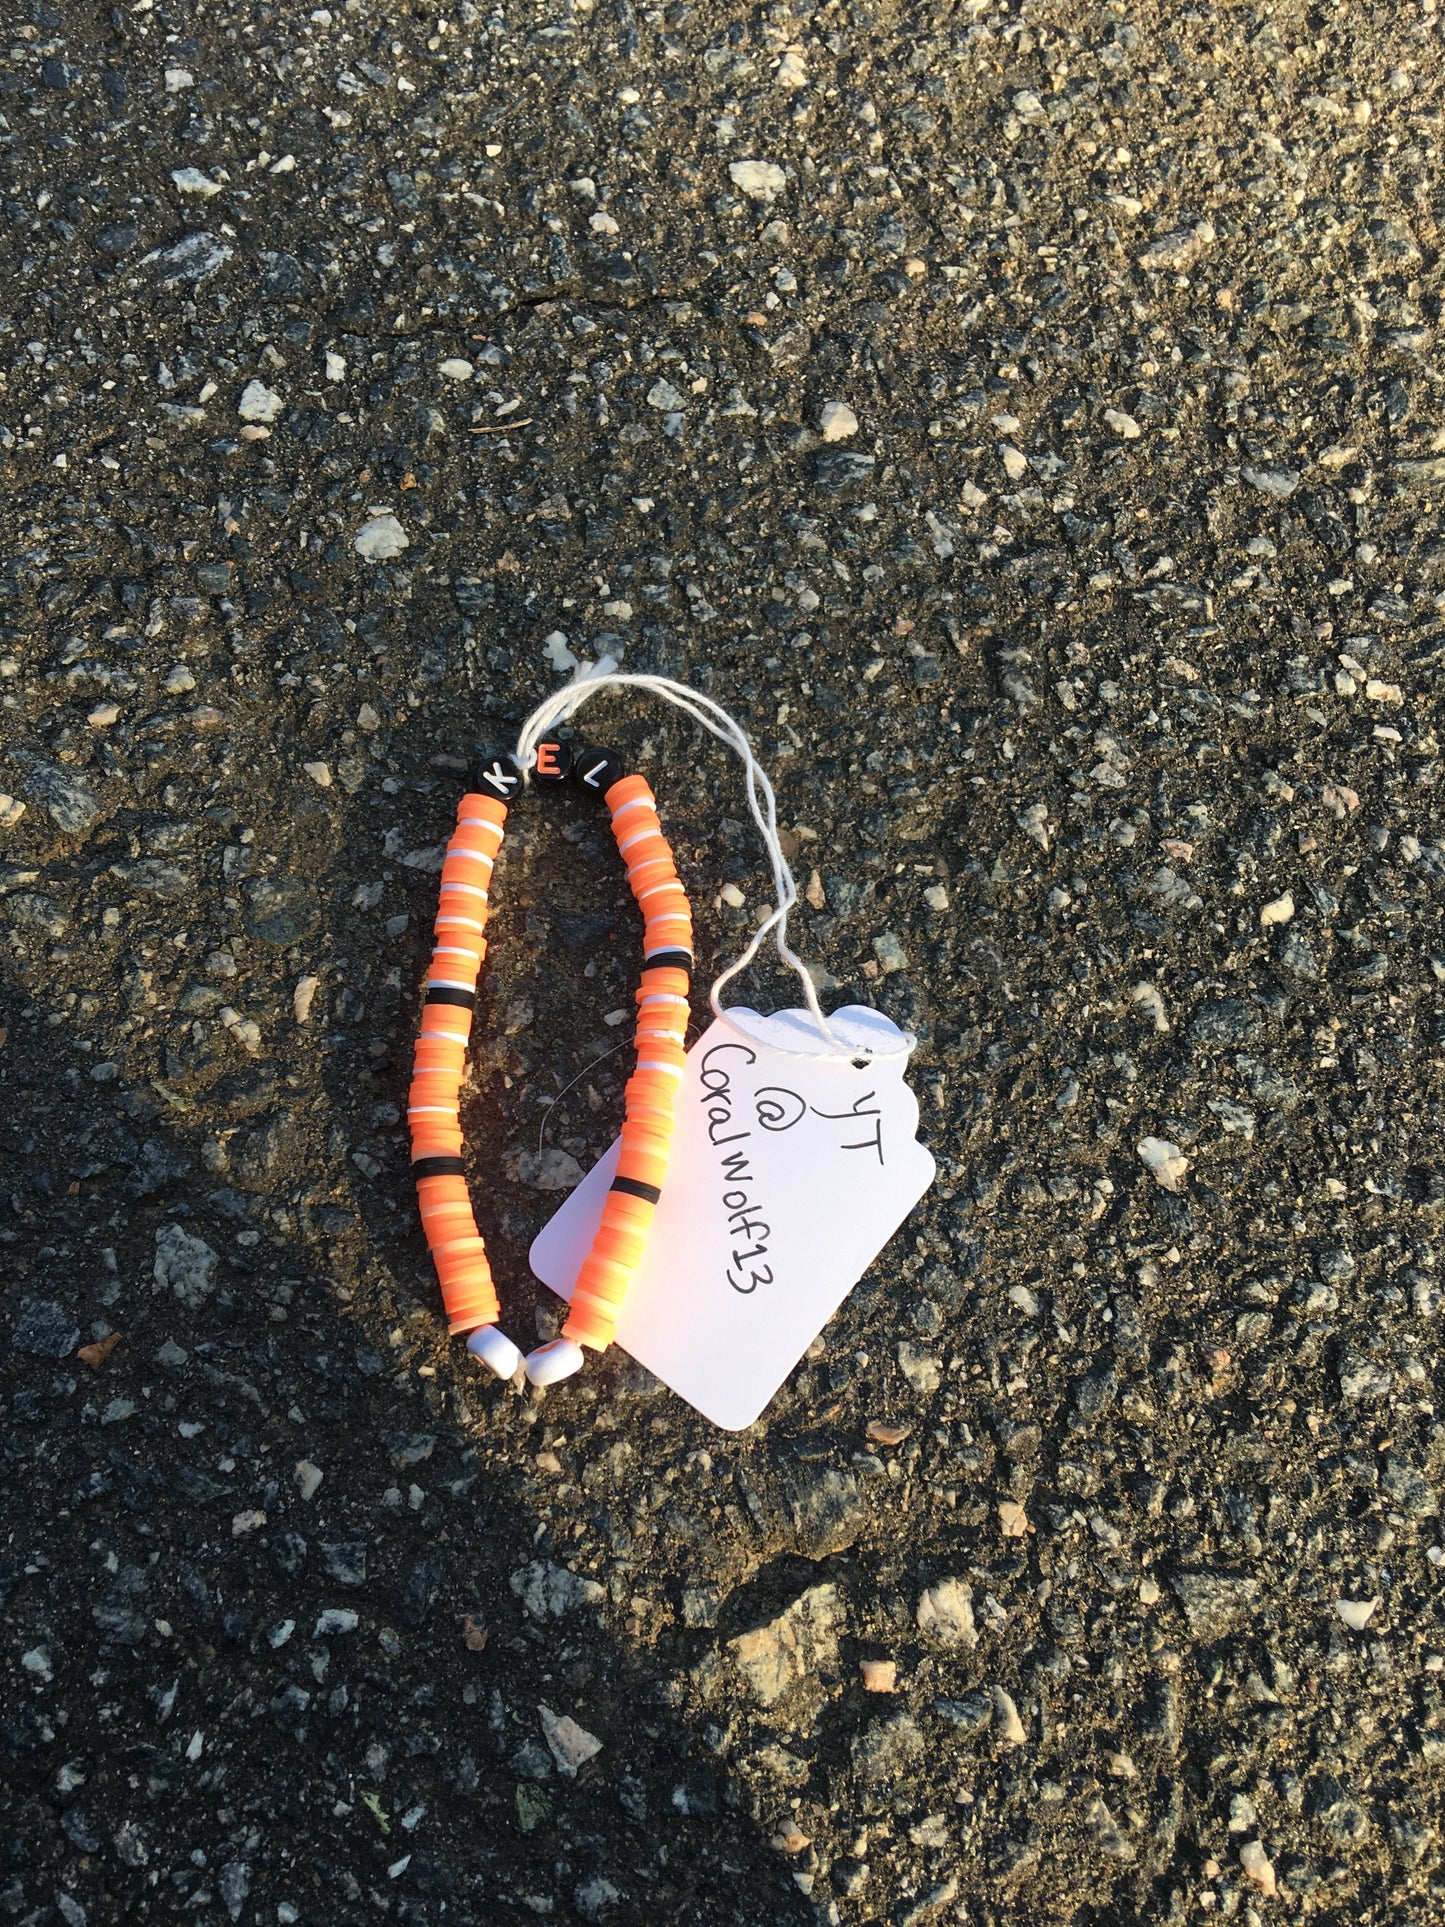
{"points": [[788, 1175]]}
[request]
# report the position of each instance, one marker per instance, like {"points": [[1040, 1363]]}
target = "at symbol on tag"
{"points": [[777, 1109]]}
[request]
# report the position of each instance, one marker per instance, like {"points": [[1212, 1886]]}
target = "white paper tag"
{"points": [[787, 1178]]}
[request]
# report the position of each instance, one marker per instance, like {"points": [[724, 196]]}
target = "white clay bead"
{"points": [[551, 1363], [494, 1348]]}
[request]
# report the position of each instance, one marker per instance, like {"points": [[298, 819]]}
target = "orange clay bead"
{"points": [[460, 1257], [457, 1249], [652, 1089]]}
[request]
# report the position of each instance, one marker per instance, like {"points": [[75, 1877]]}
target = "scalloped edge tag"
{"points": [[788, 1175]]}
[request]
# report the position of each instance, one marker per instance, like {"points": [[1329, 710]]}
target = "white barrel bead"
{"points": [[549, 1364], [494, 1348]]}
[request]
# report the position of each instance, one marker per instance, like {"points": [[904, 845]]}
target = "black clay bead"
{"points": [[596, 770], [499, 776], [554, 762]]}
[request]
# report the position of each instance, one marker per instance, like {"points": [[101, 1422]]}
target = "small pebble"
{"points": [[836, 421], [890, 953], [259, 403], [759, 180], [1357, 1613], [1165, 1160], [945, 1613], [190, 180], [1013, 1520], [1006, 1722], [45, 1329], [1277, 483], [571, 1745], [1146, 998], [1177, 250], [1258, 1867], [381, 538]]}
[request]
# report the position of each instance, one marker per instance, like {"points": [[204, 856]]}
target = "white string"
{"points": [[592, 678]]}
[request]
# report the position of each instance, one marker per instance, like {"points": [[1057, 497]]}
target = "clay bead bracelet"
{"points": [[458, 1251]]}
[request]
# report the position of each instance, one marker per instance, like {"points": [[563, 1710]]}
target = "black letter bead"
{"points": [[499, 776], [554, 761], [596, 770]]}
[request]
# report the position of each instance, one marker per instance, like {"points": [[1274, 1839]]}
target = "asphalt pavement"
{"points": [[1028, 419]]}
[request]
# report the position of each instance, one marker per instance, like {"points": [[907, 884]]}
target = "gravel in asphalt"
{"points": [[1028, 418]]}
